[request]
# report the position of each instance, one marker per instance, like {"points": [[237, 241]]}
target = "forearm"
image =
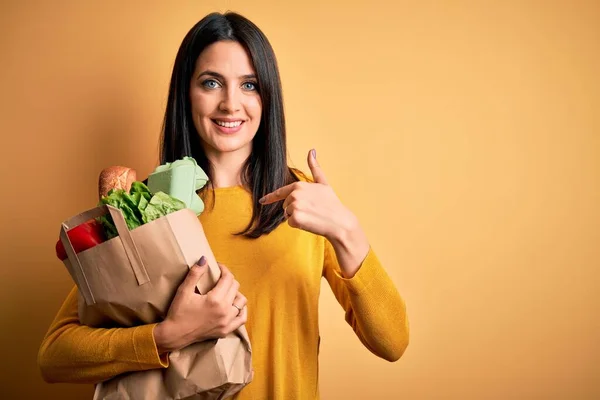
{"points": [[75, 353], [378, 316], [373, 305]]}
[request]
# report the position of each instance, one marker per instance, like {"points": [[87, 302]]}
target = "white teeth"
{"points": [[229, 124]]}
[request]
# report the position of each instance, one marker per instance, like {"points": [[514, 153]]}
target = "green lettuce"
{"points": [[139, 207]]}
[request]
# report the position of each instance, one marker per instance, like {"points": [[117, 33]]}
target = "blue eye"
{"points": [[249, 86], [210, 84]]}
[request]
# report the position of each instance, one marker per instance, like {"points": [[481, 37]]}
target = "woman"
{"points": [[277, 231]]}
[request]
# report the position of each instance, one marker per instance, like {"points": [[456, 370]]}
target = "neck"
{"points": [[227, 168]]}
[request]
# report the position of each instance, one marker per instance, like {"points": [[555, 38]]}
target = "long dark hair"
{"points": [[266, 169]]}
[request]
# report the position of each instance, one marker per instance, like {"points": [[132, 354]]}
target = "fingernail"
{"points": [[314, 153], [202, 261], [261, 200]]}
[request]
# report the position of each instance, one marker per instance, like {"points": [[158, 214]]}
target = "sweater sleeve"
{"points": [[374, 308], [75, 353]]}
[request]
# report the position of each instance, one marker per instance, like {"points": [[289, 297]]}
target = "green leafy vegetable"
{"points": [[138, 206]]}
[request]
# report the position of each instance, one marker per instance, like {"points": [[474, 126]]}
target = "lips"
{"points": [[228, 124]]}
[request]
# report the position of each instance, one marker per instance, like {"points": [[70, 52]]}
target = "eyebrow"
{"points": [[218, 75]]}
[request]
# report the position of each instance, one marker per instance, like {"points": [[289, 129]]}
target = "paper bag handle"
{"points": [[133, 255]]}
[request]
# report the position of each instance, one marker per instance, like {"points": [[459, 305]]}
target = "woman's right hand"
{"points": [[193, 317]]}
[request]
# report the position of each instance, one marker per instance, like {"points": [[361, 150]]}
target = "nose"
{"points": [[230, 103]]}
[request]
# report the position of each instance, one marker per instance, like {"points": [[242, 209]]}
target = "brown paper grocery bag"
{"points": [[197, 363], [131, 280]]}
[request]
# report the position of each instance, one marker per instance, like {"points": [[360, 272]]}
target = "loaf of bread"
{"points": [[115, 177]]}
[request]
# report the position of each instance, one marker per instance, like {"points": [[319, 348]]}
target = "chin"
{"points": [[230, 147]]}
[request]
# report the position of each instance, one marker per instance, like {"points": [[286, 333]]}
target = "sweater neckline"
{"points": [[228, 188]]}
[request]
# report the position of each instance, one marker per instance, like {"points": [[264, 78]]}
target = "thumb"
{"points": [[192, 278], [315, 168]]}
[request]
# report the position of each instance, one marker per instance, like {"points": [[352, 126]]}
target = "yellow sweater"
{"points": [[280, 274]]}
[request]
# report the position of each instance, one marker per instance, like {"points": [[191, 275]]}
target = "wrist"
{"points": [[344, 232], [351, 246], [164, 338]]}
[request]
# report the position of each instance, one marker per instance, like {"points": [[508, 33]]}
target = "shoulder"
{"points": [[301, 176]]}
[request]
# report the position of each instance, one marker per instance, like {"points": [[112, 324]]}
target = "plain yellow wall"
{"points": [[465, 136]]}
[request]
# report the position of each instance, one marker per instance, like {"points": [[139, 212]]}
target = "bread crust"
{"points": [[115, 177]]}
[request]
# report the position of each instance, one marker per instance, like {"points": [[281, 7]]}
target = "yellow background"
{"points": [[464, 135]]}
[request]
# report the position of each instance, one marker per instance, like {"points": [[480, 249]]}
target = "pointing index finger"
{"points": [[277, 195]]}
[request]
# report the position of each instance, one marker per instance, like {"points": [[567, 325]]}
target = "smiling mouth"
{"points": [[227, 124]]}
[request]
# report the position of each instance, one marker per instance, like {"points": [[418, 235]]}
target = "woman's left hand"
{"points": [[314, 207]]}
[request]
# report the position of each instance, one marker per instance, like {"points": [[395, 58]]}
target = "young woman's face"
{"points": [[225, 103]]}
